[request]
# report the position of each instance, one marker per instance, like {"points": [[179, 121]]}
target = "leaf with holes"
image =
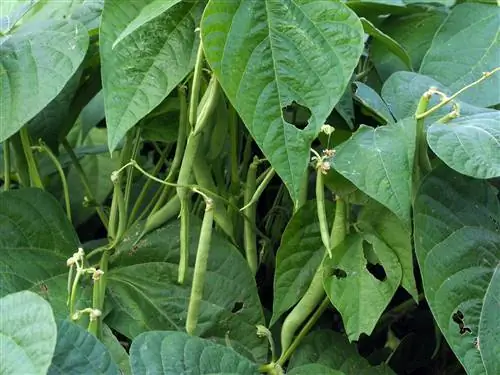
{"points": [[145, 294], [257, 49], [457, 241], [37, 59], [470, 145], [298, 258], [365, 267], [173, 353], [166, 45], [78, 351], [380, 163], [378, 220], [331, 349], [28, 334], [478, 54]]}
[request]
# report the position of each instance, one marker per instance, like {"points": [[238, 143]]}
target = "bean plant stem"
{"points": [[6, 165], [85, 182], [200, 268], [35, 179], [422, 158], [43, 148], [195, 87], [98, 294], [130, 172]]}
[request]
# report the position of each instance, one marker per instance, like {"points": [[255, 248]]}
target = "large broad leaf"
{"points": [[457, 240], [331, 349], [315, 369], [380, 163], [414, 33], [376, 219], [117, 352], [36, 239], [173, 353], [145, 294], [37, 59], [28, 334], [299, 256], [79, 352], [145, 66], [469, 145], [478, 53], [403, 90], [359, 292], [269, 54]]}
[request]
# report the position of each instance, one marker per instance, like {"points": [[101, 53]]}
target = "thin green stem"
{"points": [[35, 178], [98, 295], [43, 148], [6, 165], [21, 164], [195, 88], [421, 115], [422, 159], [72, 300], [130, 172], [85, 182]]}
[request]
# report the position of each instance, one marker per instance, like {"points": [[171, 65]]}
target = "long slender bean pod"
{"points": [[313, 295], [339, 228], [250, 237], [320, 202], [268, 176], [195, 88], [200, 268], [184, 241]]}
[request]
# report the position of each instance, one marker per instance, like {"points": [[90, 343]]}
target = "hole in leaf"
{"points": [[338, 273], [237, 307], [377, 271], [297, 115]]}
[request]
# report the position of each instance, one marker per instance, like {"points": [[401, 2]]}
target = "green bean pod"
{"points": [[163, 215], [312, 297], [250, 237], [200, 268], [320, 202]]}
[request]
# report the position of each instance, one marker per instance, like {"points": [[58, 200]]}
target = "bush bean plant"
{"points": [[249, 186]]}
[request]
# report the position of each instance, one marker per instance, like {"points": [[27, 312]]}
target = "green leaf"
{"points": [[413, 32], [173, 353], [315, 369], [403, 90], [470, 145], [380, 163], [378, 220], [37, 60], [167, 46], [151, 11], [369, 98], [268, 55], [145, 294], [477, 54], [391, 44], [298, 257], [78, 351], [457, 241], [116, 350], [28, 331], [347, 275], [36, 239], [331, 349]]}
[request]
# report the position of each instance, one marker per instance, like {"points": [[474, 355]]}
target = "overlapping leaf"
{"points": [[380, 163], [457, 240], [144, 67], [478, 53], [173, 353], [469, 145], [145, 295], [269, 54]]}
